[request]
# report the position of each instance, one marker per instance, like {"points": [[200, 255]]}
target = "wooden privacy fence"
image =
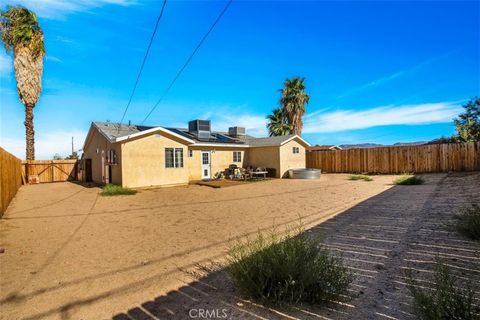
{"points": [[50, 170], [10, 178], [420, 158]]}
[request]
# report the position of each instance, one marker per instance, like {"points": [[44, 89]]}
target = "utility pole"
{"points": [[72, 146]]}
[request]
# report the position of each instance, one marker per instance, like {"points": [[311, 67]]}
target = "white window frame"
{"points": [[177, 159], [296, 150], [237, 156], [190, 153]]}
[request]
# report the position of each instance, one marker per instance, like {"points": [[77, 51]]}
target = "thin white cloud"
{"points": [[416, 114], [64, 40], [395, 75], [54, 59], [46, 145], [57, 9], [6, 66], [325, 121]]}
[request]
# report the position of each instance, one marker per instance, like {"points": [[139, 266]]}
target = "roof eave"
{"points": [[201, 144], [145, 132], [90, 132], [295, 137]]}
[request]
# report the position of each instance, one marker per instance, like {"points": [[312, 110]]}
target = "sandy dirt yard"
{"points": [[71, 254]]}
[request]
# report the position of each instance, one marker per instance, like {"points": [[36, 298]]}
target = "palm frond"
{"points": [[278, 123], [293, 100], [19, 27]]}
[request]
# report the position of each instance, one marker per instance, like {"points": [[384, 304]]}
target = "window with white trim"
{"points": [[296, 150], [237, 156], [205, 158], [190, 153], [178, 157], [173, 157]]}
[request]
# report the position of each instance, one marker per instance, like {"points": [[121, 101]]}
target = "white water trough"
{"points": [[305, 173]]}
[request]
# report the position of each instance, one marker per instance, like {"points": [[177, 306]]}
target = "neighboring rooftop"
{"points": [[324, 148]]}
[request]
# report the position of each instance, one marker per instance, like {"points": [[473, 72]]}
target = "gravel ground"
{"points": [[403, 227], [71, 254]]}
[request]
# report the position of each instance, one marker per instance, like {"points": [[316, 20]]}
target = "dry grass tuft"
{"points": [[443, 299], [116, 190], [287, 270], [363, 177], [408, 179], [468, 221]]}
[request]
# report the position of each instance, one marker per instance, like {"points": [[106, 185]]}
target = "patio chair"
{"points": [[219, 175], [245, 174], [239, 174], [231, 171]]}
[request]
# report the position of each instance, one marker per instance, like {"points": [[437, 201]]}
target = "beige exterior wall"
{"points": [[143, 161], [116, 177], [96, 149], [280, 158], [220, 160], [289, 160], [268, 157]]}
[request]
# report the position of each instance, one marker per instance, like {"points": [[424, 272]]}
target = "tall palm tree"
{"points": [[293, 101], [278, 123], [21, 34]]}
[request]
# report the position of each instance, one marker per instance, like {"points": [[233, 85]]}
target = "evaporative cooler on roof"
{"points": [[200, 128], [236, 132]]}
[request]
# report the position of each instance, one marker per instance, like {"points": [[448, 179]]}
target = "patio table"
{"points": [[260, 173]]}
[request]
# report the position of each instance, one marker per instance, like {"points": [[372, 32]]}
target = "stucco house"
{"points": [[142, 156]]}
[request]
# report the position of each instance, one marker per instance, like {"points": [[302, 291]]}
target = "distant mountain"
{"points": [[417, 143], [376, 145], [361, 145]]}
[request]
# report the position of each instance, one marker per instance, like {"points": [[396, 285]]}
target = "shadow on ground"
{"points": [[403, 227], [213, 297]]}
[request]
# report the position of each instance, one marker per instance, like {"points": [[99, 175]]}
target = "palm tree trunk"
{"points": [[298, 123], [29, 132]]}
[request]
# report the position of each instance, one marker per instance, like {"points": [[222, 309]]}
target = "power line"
{"points": [[188, 60], [144, 60]]}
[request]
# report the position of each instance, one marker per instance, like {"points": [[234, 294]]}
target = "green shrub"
{"points": [[408, 179], [468, 221], [116, 190], [443, 299], [363, 177], [289, 269]]}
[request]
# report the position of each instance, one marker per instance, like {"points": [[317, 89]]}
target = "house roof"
{"points": [[115, 132]]}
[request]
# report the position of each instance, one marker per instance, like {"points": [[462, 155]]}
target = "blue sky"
{"points": [[377, 71]]}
